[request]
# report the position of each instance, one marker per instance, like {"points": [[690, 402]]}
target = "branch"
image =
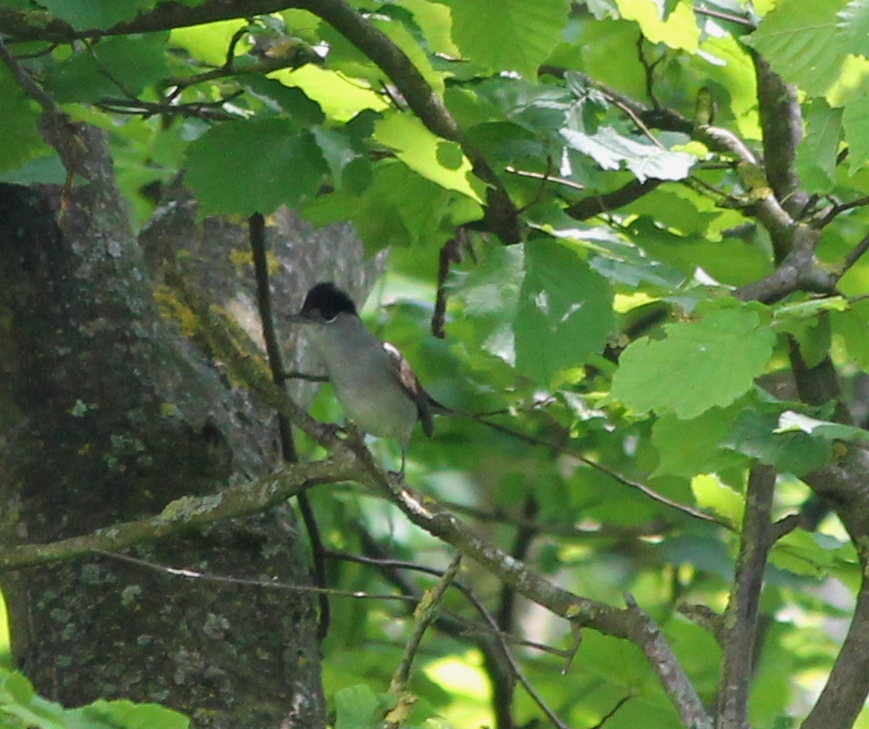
{"points": [[425, 613], [852, 257], [848, 684], [631, 624], [590, 206], [179, 515], [740, 618], [657, 651], [501, 215], [782, 125], [799, 271], [20, 26]]}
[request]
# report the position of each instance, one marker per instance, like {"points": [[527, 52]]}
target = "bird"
{"points": [[374, 384]]}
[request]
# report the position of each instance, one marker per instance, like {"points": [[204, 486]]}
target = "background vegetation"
{"points": [[629, 233]]}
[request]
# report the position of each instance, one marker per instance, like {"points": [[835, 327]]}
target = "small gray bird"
{"points": [[373, 382]]}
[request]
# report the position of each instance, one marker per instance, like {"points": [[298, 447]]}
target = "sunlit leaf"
{"points": [[698, 366]]}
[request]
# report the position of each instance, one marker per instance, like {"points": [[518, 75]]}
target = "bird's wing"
{"points": [[411, 385]]}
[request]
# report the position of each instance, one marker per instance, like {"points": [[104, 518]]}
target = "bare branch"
{"points": [[19, 26], [665, 665], [250, 498], [632, 624], [781, 121], [424, 615], [739, 626], [595, 205], [848, 684], [799, 271], [853, 256]]}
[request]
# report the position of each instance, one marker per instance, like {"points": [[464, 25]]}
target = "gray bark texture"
{"points": [[108, 411]]}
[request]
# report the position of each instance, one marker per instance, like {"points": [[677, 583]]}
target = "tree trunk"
{"points": [[107, 413]]}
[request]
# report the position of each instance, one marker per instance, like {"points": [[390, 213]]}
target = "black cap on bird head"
{"points": [[325, 300]]}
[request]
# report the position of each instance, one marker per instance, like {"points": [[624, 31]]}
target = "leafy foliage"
{"points": [[627, 289], [21, 707]]}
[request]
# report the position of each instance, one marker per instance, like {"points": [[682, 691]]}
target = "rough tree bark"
{"points": [[108, 412]]}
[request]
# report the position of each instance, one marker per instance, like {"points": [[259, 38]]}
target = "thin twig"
{"points": [[385, 564], [250, 582], [839, 208], [31, 88], [642, 488], [721, 15], [541, 176], [424, 614], [853, 256]]}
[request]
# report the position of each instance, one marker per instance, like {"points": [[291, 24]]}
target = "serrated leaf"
{"points": [[419, 149], [508, 34], [609, 149], [243, 167], [564, 314], [799, 41], [698, 366]]}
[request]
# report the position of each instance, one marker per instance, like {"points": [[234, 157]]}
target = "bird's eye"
{"points": [[329, 318]]}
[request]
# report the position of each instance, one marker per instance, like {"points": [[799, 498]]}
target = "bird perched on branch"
{"points": [[373, 383]]}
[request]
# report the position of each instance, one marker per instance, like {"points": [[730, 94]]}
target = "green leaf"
{"points": [[754, 435], [729, 261], [711, 493], [243, 167], [698, 366], [855, 120], [609, 149], [129, 715], [852, 326], [88, 14], [508, 34], [816, 153], [419, 149], [565, 311], [791, 421], [687, 448], [357, 707], [677, 30], [341, 98], [799, 41], [19, 138], [853, 27], [289, 99], [117, 67], [337, 151], [815, 555], [209, 42]]}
